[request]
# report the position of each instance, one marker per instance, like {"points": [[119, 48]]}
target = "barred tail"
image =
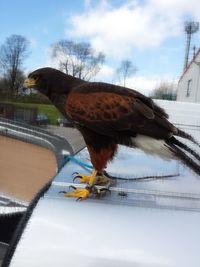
{"points": [[183, 152], [185, 135]]}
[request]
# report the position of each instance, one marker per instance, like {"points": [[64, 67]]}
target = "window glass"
{"points": [[189, 87]]}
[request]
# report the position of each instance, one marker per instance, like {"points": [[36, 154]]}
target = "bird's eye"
{"points": [[35, 77]]}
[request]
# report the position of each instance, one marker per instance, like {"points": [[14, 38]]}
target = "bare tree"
{"points": [[2, 88], [166, 90], [77, 59], [125, 70], [12, 54]]}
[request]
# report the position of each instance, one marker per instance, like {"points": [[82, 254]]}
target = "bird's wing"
{"points": [[107, 110]]}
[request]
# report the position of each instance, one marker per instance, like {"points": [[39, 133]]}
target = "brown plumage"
{"points": [[108, 115]]}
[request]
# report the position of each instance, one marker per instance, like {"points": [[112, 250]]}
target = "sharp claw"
{"points": [[74, 179], [61, 192], [77, 177], [79, 199], [73, 187]]}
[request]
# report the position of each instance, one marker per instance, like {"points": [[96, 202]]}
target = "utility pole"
{"points": [[190, 28]]}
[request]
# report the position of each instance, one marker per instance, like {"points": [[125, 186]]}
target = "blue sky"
{"points": [[149, 33]]}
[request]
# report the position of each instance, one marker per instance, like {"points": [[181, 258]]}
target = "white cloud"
{"points": [[117, 30], [146, 84], [52, 62], [143, 84], [106, 74]]}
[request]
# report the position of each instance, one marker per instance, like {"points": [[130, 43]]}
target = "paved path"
{"points": [[72, 135]]}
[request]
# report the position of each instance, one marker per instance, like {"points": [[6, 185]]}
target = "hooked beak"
{"points": [[29, 83]]}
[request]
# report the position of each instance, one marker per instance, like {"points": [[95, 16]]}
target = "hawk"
{"points": [[108, 115]]}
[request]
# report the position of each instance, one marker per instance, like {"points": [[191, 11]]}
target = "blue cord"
{"points": [[72, 158]]}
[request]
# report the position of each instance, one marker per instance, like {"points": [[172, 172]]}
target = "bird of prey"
{"points": [[108, 115]]}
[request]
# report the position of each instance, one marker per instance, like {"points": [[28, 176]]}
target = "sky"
{"points": [[149, 33]]}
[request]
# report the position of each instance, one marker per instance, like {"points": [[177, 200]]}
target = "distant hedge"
{"points": [[34, 99]]}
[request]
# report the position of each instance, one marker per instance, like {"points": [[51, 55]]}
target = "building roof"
{"points": [[190, 63]]}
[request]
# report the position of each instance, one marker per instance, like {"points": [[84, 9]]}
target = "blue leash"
{"points": [[79, 162]]}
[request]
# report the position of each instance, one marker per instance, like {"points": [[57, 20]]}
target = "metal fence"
{"points": [[19, 114]]}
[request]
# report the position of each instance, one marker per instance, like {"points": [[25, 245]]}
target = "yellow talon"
{"points": [[79, 193], [84, 179], [92, 179], [89, 179]]}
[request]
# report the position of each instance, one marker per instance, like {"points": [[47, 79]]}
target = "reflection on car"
{"points": [[41, 119], [64, 122]]}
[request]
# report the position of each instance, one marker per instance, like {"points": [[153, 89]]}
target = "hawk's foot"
{"points": [[83, 193], [97, 178], [79, 193], [84, 179]]}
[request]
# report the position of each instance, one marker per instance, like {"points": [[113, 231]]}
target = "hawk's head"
{"points": [[47, 81]]}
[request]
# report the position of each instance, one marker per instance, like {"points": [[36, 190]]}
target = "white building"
{"points": [[189, 84]]}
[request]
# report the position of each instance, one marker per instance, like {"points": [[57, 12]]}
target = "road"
{"points": [[72, 135]]}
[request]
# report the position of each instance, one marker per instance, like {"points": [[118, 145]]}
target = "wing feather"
{"points": [[109, 112]]}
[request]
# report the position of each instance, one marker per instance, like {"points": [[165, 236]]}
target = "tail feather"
{"points": [[185, 147], [179, 150], [185, 135]]}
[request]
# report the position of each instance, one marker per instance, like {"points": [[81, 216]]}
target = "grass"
{"points": [[47, 109]]}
